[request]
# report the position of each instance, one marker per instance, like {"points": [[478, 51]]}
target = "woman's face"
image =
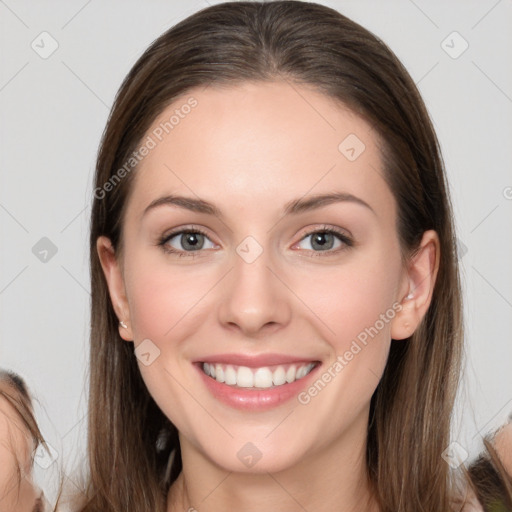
{"points": [[262, 293]]}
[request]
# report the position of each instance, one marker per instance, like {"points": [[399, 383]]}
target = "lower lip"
{"points": [[252, 399]]}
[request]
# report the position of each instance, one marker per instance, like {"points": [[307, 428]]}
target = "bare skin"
{"points": [[250, 150], [16, 448], [503, 445]]}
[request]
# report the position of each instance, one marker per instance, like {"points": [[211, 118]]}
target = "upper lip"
{"points": [[255, 361]]}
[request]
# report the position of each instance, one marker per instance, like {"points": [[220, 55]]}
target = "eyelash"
{"points": [[348, 242]]}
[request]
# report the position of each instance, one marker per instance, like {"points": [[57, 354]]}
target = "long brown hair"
{"points": [[130, 439]]}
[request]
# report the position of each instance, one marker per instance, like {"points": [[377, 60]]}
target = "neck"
{"points": [[334, 478]]}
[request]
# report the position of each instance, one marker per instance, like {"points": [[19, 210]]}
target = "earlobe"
{"points": [[114, 277], [422, 272]]}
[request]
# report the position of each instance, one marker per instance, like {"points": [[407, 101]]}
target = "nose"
{"points": [[255, 299]]}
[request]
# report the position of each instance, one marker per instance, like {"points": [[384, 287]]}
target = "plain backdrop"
{"points": [[54, 108]]}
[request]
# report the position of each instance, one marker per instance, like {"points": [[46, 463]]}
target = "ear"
{"points": [[115, 282], [418, 287]]}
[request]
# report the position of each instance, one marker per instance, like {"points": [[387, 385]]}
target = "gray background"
{"points": [[53, 111]]}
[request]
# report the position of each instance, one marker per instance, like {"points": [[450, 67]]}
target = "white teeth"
{"points": [[245, 377], [279, 376], [219, 373], [230, 376], [301, 372], [290, 374], [264, 377]]}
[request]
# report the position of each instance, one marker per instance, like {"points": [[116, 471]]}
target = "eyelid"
{"points": [[187, 229], [326, 228], [184, 229]]}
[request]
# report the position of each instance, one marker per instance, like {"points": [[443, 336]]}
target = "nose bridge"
{"points": [[254, 297]]}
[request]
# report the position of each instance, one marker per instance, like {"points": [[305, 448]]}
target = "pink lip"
{"points": [[254, 361], [250, 399]]}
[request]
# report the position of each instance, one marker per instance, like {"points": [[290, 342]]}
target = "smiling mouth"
{"points": [[257, 378]]}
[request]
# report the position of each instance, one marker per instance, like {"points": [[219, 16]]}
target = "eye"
{"points": [[184, 241], [187, 242], [324, 240]]}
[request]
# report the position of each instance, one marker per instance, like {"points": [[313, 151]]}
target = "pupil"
{"points": [[320, 239], [191, 240]]}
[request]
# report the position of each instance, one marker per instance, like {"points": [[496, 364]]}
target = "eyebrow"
{"points": [[293, 207]]}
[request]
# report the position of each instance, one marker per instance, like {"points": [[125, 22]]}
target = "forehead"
{"points": [[258, 141]]}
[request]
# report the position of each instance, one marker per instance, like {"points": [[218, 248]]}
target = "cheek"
{"points": [[353, 298], [161, 296], [163, 300], [356, 304]]}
